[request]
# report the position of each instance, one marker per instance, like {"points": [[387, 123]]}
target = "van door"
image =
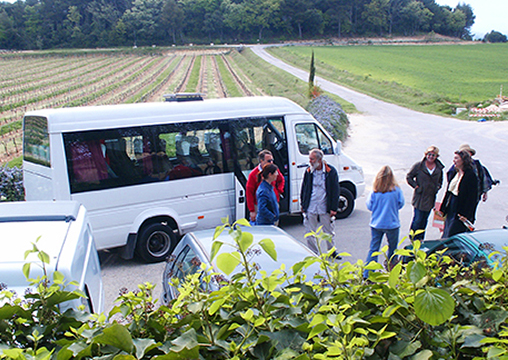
{"points": [[250, 136]]}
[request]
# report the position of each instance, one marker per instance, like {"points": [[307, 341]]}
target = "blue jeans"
{"points": [[392, 236], [419, 222]]}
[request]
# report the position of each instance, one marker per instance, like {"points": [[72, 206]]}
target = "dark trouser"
{"points": [[419, 222], [452, 224]]}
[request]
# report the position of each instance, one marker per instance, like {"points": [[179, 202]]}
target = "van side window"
{"points": [[253, 135], [104, 159], [36, 140], [310, 136]]}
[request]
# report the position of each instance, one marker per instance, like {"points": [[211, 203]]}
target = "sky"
{"points": [[490, 15]]}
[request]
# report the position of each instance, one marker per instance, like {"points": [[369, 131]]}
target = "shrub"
{"points": [[495, 37], [11, 184], [329, 114], [428, 308]]}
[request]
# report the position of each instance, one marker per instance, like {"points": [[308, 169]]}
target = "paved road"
{"points": [[382, 134]]}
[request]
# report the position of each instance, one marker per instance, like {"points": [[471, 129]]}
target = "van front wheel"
{"points": [[155, 241], [346, 203]]}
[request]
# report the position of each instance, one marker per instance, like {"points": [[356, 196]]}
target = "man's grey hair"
{"points": [[318, 153]]}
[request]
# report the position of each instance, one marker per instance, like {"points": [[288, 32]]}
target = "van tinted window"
{"points": [[36, 140]]}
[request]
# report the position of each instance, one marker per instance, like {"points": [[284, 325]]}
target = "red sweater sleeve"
{"points": [[252, 186], [278, 186]]}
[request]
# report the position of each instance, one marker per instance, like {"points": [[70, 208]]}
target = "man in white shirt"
{"points": [[320, 199]]}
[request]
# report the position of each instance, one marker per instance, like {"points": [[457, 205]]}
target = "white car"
{"points": [[195, 248], [64, 233]]}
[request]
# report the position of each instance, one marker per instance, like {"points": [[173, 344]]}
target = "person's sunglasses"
{"points": [[271, 161], [431, 154]]}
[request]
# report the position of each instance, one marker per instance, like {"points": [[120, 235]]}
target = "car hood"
{"points": [[17, 240]]}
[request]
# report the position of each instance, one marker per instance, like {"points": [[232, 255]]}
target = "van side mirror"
{"points": [[338, 148]]}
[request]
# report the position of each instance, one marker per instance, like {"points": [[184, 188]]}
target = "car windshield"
{"points": [[490, 241]]}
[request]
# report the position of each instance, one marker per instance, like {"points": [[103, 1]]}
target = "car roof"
{"points": [[39, 211], [24, 223], [289, 250]]}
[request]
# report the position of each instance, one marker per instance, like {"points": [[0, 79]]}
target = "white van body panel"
{"points": [[192, 203]]}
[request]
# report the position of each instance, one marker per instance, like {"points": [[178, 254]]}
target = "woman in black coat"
{"points": [[461, 197]]}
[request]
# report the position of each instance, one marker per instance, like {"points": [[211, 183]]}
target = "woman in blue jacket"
{"points": [[268, 207], [385, 201]]}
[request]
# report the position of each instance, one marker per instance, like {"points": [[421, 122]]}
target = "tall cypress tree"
{"points": [[312, 74]]}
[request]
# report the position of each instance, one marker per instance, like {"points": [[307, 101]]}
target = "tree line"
{"points": [[47, 24]]}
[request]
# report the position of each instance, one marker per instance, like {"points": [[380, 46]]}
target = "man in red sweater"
{"points": [[265, 157]]}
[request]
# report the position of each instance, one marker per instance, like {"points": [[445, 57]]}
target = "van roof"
{"points": [[127, 115], [39, 211]]}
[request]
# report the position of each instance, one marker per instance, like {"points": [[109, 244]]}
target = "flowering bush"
{"points": [[11, 184], [330, 114]]}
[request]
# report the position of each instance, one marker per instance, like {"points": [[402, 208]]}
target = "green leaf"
{"points": [[124, 357], [259, 321], [318, 329], [187, 343], [434, 306], [227, 262], [390, 310], [394, 275], [243, 222], [216, 305], [422, 355], [117, 336], [247, 316], [416, 272], [497, 274], [44, 257], [216, 245], [269, 247], [58, 277], [245, 241], [142, 345], [26, 270], [218, 231]]}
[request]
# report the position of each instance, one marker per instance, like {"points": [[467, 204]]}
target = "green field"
{"points": [[430, 78]]}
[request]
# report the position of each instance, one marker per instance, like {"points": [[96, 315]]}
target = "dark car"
{"points": [[469, 247], [195, 248]]}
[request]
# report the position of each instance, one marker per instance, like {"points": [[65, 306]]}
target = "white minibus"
{"points": [[149, 173]]}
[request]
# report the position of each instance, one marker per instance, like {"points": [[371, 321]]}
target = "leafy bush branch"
{"points": [[428, 308]]}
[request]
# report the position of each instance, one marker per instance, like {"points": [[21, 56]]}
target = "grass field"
{"points": [[433, 79]]}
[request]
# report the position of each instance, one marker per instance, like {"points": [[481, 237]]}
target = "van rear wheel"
{"points": [[346, 203], [155, 242]]}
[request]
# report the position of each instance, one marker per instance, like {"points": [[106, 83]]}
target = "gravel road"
{"points": [[382, 134]]}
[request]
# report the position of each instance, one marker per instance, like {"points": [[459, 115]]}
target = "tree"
{"points": [[143, 21], [416, 16], [172, 19], [375, 16], [495, 37], [470, 18]]}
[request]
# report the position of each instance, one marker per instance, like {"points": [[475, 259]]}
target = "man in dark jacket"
{"points": [[426, 178], [320, 199]]}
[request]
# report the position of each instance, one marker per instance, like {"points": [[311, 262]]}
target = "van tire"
{"points": [[346, 203], [155, 242]]}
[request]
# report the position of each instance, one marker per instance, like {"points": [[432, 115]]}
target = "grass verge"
{"points": [[432, 79], [276, 82]]}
